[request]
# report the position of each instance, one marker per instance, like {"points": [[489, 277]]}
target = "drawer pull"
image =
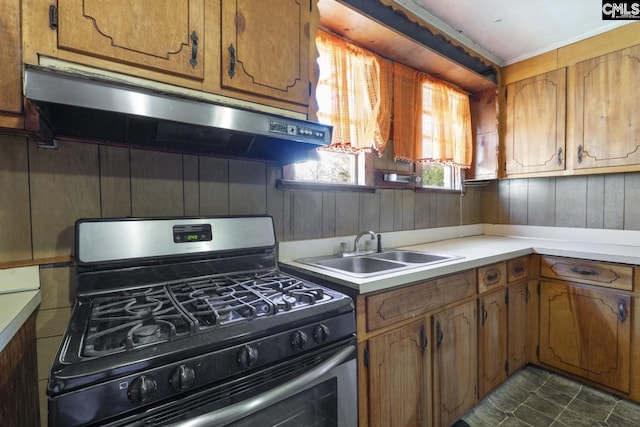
{"points": [[484, 314], [518, 269], [622, 315], [584, 272], [439, 334], [423, 339], [492, 278]]}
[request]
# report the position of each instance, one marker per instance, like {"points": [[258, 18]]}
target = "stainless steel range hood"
{"points": [[83, 108]]}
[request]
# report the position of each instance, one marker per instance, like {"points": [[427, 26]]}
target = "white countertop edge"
{"points": [[16, 309], [571, 234]]}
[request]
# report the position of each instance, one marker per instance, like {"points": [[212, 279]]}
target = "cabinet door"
{"points": [[455, 362], [586, 332], [398, 363], [163, 35], [607, 110], [518, 326], [265, 48], [11, 64], [535, 136], [492, 342]]}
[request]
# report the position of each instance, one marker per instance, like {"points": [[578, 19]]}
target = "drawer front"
{"points": [[492, 277], [390, 307], [517, 269], [615, 276]]}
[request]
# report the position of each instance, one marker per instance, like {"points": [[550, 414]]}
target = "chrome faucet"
{"points": [[362, 233]]}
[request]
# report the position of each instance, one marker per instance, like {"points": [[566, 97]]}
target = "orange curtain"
{"points": [[353, 95], [432, 120], [407, 106]]}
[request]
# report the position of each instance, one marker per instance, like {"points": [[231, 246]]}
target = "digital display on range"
{"points": [[192, 233]]}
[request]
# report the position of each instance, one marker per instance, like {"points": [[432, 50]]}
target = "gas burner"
{"points": [[127, 320]]}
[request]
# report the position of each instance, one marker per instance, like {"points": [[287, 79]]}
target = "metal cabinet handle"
{"points": [[527, 295], [560, 158], [194, 49], [484, 314], [439, 334], [584, 272], [492, 278], [518, 269], [423, 339], [580, 153], [232, 61], [622, 315]]}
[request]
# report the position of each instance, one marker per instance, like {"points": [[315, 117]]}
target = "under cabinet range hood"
{"points": [[77, 107]]}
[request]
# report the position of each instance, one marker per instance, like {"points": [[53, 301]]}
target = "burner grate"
{"points": [[130, 319], [125, 320]]}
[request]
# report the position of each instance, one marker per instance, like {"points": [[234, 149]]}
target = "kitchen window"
{"points": [[432, 128], [353, 95]]}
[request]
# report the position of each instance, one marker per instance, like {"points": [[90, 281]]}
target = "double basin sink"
{"points": [[373, 264]]}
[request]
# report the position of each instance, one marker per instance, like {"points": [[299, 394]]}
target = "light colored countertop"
{"points": [[19, 297], [478, 245]]}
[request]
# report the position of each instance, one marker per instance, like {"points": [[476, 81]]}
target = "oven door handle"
{"points": [[263, 400]]}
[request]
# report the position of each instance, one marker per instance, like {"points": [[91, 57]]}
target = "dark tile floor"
{"points": [[538, 398]]}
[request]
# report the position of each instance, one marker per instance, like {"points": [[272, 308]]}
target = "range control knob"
{"points": [[298, 340], [142, 389], [182, 378], [321, 333], [247, 356]]}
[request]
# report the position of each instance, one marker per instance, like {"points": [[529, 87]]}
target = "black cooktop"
{"points": [[128, 319]]}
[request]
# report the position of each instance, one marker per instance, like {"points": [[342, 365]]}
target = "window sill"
{"points": [[285, 184]]}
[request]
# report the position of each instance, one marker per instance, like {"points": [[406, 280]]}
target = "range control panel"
{"points": [[295, 130]]}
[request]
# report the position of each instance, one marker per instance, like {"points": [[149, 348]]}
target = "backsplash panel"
{"points": [[595, 201]]}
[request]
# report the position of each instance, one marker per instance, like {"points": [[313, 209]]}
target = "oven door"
{"points": [[321, 390]]}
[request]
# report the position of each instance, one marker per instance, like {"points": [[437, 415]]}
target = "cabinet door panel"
{"points": [[396, 376], [492, 342], [255, 59], [535, 137], [518, 326], [11, 64], [607, 109], [155, 34], [586, 332], [455, 362]]}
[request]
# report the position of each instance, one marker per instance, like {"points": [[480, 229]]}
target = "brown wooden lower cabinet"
{"points": [[492, 341], [586, 332], [19, 379], [455, 362], [518, 326], [399, 366]]}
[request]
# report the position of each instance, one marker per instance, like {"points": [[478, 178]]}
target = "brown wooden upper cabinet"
{"points": [[265, 48], [535, 124], [164, 35], [238, 49], [607, 112], [11, 65]]}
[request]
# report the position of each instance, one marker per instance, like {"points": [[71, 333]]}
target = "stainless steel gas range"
{"points": [[188, 321]]}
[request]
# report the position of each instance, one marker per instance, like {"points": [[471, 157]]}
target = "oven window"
{"points": [[314, 407]]}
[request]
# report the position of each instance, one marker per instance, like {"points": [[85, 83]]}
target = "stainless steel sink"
{"points": [[412, 257], [377, 263], [360, 264]]}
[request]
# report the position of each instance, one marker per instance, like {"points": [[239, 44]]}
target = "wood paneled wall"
{"points": [[610, 201], [45, 191]]}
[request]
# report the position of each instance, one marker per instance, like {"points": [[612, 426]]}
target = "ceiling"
{"points": [[507, 31]]}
